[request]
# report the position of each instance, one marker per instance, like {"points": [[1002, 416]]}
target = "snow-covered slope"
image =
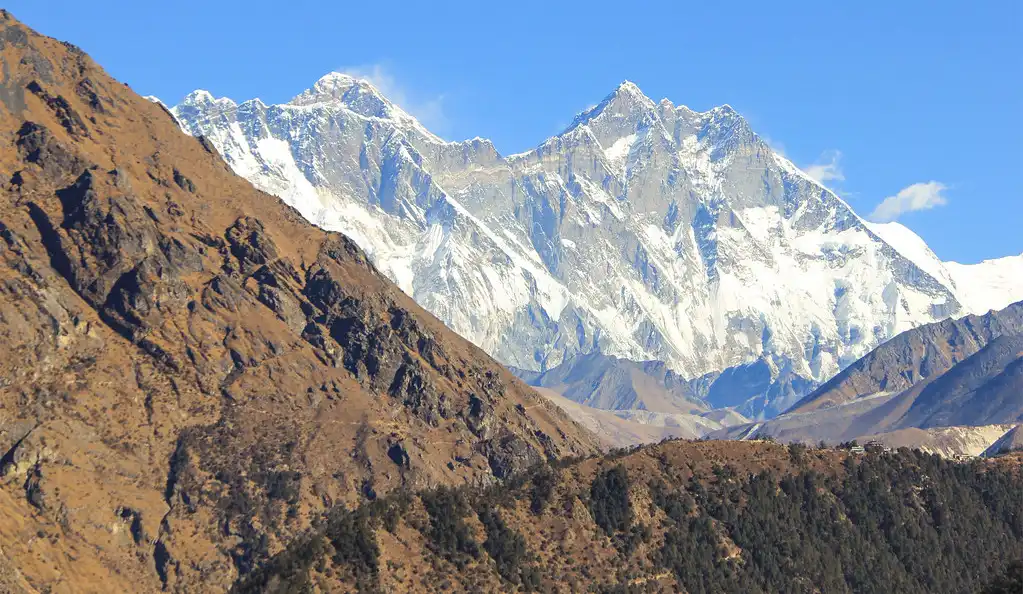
{"points": [[645, 230], [913, 247], [980, 288], [992, 284]]}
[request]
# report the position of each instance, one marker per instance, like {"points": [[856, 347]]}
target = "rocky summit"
{"points": [[191, 372], [644, 231]]}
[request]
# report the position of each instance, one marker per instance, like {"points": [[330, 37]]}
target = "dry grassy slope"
{"points": [[945, 441], [191, 371]]}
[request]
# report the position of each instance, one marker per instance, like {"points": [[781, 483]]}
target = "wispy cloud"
{"points": [[919, 196], [775, 145], [428, 110], [827, 168]]}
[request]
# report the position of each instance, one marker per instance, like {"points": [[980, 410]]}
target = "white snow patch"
{"points": [[912, 247], [991, 284], [618, 153]]}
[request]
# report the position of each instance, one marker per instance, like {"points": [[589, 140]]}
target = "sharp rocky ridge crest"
{"points": [[645, 230]]}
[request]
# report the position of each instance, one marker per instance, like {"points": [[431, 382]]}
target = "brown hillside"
{"points": [[191, 372]]}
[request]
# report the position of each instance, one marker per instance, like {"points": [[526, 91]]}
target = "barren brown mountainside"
{"points": [[192, 373]]}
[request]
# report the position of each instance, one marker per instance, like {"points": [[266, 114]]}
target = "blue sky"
{"points": [[914, 105]]}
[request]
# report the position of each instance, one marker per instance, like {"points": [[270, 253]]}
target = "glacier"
{"points": [[645, 230]]}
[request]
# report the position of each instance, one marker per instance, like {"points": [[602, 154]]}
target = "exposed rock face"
{"points": [[986, 388], [192, 373], [645, 231]]}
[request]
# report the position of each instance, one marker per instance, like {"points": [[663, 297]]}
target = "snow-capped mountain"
{"points": [[645, 230]]}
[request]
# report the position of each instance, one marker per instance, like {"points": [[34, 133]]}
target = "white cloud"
{"points": [[775, 145], [827, 167], [919, 196], [428, 110]]}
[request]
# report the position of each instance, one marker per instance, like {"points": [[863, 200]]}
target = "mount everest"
{"points": [[644, 231]]}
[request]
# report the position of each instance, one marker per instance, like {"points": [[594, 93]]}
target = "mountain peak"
{"points": [[336, 77], [725, 114], [628, 91], [338, 86], [626, 100], [203, 98], [361, 97], [629, 87]]}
